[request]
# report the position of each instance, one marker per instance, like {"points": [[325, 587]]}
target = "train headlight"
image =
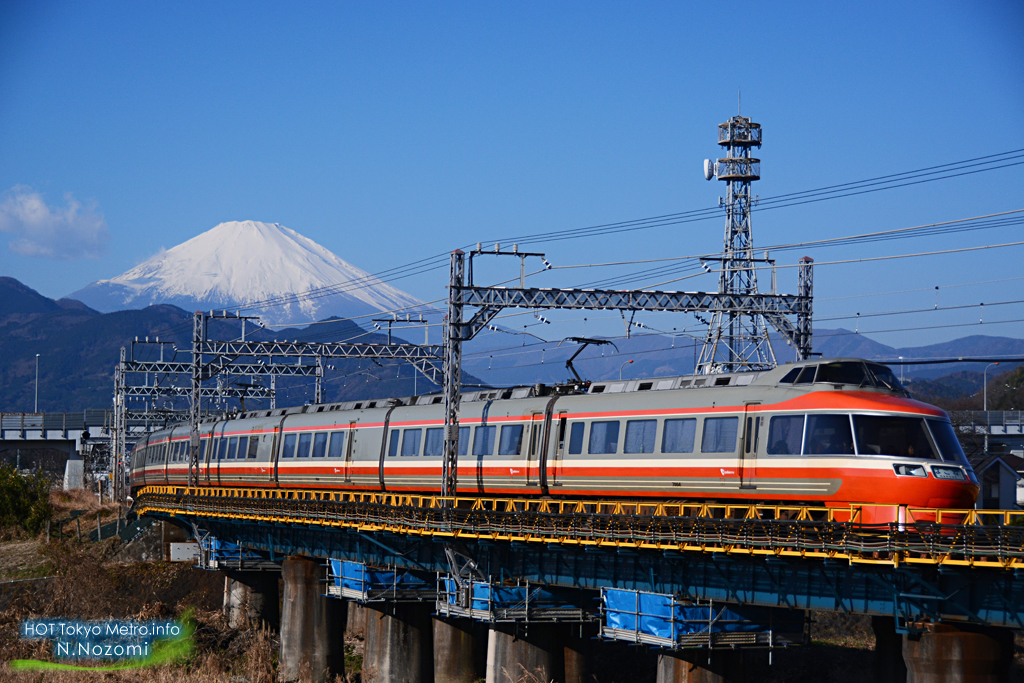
{"points": [[950, 473], [910, 470]]}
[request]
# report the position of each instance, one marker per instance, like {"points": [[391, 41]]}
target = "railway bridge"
{"points": [[448, 584]]}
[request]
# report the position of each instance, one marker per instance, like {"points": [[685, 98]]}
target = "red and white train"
{"points": [[827, 432]]}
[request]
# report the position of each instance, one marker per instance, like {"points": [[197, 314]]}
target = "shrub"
{"points": [[24, 500]]}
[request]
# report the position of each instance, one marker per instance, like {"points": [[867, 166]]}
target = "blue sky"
{"points": [[390, 131]]}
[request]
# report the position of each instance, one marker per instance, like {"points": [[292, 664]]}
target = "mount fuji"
{"points": [[269, 269]]}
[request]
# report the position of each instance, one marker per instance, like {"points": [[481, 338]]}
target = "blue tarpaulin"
{"points": [[358, 577], [487, 596], [225, 550], [663, 617]]}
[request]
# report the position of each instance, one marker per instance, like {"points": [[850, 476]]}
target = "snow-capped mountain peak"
{"points": [[248, 262]]}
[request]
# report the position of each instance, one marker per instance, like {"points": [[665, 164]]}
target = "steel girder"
{"points": [[989, 597], [609, 299], [205, 392], [408, 352], [209, 371]]}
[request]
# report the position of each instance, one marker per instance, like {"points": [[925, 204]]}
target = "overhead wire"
{"points": [[430, 263]]}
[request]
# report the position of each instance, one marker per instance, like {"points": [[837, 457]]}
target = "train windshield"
{"points": [[946, 439], [843, 373], [905, 437], [884, 377]]}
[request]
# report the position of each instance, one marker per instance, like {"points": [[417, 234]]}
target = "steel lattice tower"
{"points": [[737, 340]]}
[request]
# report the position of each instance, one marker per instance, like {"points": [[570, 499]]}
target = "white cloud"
{"points": [[65, 233]]}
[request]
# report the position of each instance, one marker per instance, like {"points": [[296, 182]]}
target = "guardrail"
{"points": [[925, 536]]}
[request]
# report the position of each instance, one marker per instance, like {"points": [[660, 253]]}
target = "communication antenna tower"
{"points": [[737, 340]]}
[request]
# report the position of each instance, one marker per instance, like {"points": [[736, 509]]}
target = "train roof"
{"points": [[835, 371]]}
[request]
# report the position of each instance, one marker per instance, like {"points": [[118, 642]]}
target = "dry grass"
{"points": [[81, 499], [88, 585]]}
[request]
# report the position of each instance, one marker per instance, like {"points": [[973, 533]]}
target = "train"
{"points": [[824, 432]]}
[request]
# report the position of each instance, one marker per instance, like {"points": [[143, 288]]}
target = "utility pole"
{"points": [[984, 404], [737, 340], [452, 373]]}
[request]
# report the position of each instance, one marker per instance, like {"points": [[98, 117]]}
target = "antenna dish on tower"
{"points": [[709, 169]]}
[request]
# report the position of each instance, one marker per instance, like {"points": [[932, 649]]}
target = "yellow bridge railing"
{"points": [[966, 538]]}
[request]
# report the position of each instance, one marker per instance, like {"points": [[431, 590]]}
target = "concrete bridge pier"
{"points": [[312, 626], [948, 654], [456, 650], [888, 666], [356, 625], [251, 599], [700, 666], [399, 643], [576, 640], [534, 649]]}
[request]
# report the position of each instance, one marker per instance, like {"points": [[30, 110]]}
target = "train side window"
{"points": [[289, 446], [604, 438], [679, 435], [806, 375], [640, 436], [719, 435], [785, 434], [483, 440], [232, 447], [790, 376], [243, 446], [320, 445], [463, 440], [828, 435], [393, 446], [222, 449], [576, 438], [254, 442], [434, 443], [411, 442], [337, 447], [202, 450], [511, 440], [305, 441]]}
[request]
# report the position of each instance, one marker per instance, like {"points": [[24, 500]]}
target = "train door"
{"points": [[212, 463], [351, 437], [278, 446], [161, 473], [532, 449], [558, 426], [267, 470], [748, 450]]}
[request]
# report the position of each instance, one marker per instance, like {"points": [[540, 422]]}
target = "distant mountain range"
{"points": [[248, 263], [80, 346], [508, 358]]}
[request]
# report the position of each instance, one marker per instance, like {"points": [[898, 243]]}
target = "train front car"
{"points": [[861, 427], [836, 433]]}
